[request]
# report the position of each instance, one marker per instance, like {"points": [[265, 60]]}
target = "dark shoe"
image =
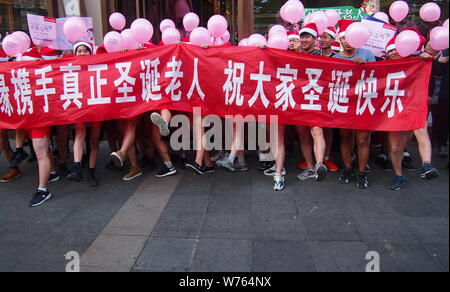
{"points": [[265, 165], [347, 176], [362, 182], [92, 180], [166, 172], [429, 172], [197, 169], [40, 198], [208, 169], [13, 173], [321, 172], [407, 163], [18, 157], [63, 170], [54, 177], [399, 183], [387, 165], [76, 174], [183, 162]]}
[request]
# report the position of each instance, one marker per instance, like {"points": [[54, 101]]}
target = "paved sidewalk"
{"points": [[226, 222]]}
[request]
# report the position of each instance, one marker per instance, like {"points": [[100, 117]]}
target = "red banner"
{"points": [[301, 89]]}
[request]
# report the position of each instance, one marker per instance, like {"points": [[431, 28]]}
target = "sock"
{"points": [[20, 149], [43, 189], [241, 159], [326, 158], [406, 154], [52, 172], [169, 165], [232, 157]]}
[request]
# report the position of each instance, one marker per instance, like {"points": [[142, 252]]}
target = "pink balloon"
{"points": [[74, 29], [226, 37], [321, 20], [25, 41], [142, 30], [217, 25], [278, 41], [243, 43], [200, 36], [128, 40], [357, 35], [293, 12], [257, 40], [277, 29], [171, 36], [166, 23], [113, 42], [191, 21], [333, 17], [11, 45], [382, 16], [430, 12], [439, 38], [445, 23], [117, 21], [399, 10], [407, 43], [211, 41]]}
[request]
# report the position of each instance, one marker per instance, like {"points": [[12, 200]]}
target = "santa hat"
{"points": [[336, 46], [343, 26], [49, 54], [422, 38], [391, 45], [3, 56], [293, 36], [310, 28], [31, 55], [331, 31], [88, 45], [101, 50]]}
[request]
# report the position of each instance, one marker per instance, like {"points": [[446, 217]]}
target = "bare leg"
{"points": [[396, 146], [347, 146], [41, 147], [63, 142], [363, 142], [95, 146], [280, 150], [306, 143], [425, 148], [78, 145], [319, 144]]}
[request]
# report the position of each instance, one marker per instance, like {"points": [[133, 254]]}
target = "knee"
{"points": [[363, 142]]}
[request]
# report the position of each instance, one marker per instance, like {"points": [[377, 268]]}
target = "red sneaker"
{"points": [[331, 165]]}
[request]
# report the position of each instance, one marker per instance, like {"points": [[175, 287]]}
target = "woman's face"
{"points": [[82, 51]]}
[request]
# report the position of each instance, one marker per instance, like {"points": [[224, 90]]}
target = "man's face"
{"points": [[326, 40], [393, 55], [345, 45], [294, 44], [308, 42]]}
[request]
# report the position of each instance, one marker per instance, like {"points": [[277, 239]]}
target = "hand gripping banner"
{"points": [[300, 89]]}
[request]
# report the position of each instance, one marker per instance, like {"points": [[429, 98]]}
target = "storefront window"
{"points": [[13, 14]]}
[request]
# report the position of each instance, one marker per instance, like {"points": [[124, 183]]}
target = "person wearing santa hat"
{"points": [[294, 41], [359, 56], [336, 47], [326, 41], [48, 53], [312, 140], [85, 49]]}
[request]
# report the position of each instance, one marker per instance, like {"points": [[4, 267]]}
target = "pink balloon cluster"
{"points": [[430, 12], [117, 21], [407, 43], [357, 35], [16, 43], [439, 38], [399, 10]]}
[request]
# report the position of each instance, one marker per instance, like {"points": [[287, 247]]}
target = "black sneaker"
{"points": [[39, 198], [92, 181], [429, 172], [321, 172], [54, 177], [208, 169], [76, 174], [197, 169], [387, 165], [183, 162], [407, 163], [166, 172], [347, 176], [265, 165], [63, 170], [362, 182], [18, 157]]}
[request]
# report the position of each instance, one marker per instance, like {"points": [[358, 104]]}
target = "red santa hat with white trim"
{"points": [[336, 46], [293, 36], [31, 55], [391, 45], [331, 31], [3, 56], [310, 28], [343, 26], [49, 53], [88, 45], [101, 50]]}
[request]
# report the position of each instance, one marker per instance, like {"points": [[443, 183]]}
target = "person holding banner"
{"points": [[85, 49], [359, 56], [312, 137]]}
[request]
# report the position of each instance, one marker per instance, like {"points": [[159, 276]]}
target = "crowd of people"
{"points": [[139, 139]]}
